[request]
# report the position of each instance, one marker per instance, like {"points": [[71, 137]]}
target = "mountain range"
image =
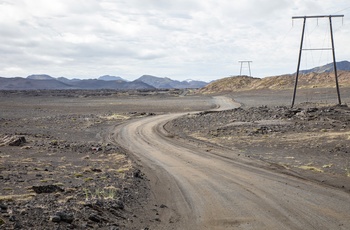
{"points": [[145, 82], [314, 77]]}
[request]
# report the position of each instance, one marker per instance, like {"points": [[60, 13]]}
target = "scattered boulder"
{"points": [[55, 219], [118, 205], [47, 189], [62, 216], [95, 218], [96, 148], [12, 140], [138, 174], [3, 208]]}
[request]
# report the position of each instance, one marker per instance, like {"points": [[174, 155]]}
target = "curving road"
{"points": [[213, 188]]}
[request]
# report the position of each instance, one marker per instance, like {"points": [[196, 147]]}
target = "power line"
{"points": [[342, 10]]}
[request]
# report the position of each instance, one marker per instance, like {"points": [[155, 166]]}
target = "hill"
{"points": [[19, 83], [318, 77], [310, 80]]}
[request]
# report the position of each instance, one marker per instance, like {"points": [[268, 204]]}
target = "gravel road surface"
{"points": [[214, 188]]}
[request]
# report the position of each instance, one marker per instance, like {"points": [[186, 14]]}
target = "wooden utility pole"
{"points": [[301, 49], [246, 62]]}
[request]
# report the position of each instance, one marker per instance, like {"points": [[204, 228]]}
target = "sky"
{"points": [[179, 39]]}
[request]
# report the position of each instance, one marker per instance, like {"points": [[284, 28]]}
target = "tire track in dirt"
{"points": [[218, 190]]}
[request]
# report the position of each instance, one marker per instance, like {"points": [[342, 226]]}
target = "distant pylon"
{"points": [[245, 62]]}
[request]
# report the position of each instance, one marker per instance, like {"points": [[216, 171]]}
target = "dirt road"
{"points": [[211, 188]]}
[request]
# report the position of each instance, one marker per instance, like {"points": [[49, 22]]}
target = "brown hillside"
{"points": [[310, 80], [238, 83]]}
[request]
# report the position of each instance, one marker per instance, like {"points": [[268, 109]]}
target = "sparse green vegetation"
{"points": [[17, 197], [88, 179], [54, 142], [78, 175], [46, 180], [121, 170], [105, 193], [327, 166], [312, 168]]}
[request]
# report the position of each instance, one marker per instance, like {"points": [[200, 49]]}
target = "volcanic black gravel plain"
{"points": [[60, 170]]}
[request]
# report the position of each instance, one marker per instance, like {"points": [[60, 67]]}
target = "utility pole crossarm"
{"points": [[318, 16]]}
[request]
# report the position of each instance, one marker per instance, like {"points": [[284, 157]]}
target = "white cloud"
{"points": [[181, 39]]}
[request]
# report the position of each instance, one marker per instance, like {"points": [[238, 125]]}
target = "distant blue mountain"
{"points": [[167, 83], [110, 78], [342, 65], [40, 77]]}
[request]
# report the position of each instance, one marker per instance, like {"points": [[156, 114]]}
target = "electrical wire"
{"points": [[323, 45], [347, 8]]}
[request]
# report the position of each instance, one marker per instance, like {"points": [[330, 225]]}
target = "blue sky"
{"points": [[182, 39]]}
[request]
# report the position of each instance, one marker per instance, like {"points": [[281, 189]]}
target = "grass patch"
{"points": [[59, 184], [78, 175], [116, 117], [107, 193], [122, 170], [312, 168], [327, 166], [66, 200], [46, 180], [88, 179], [22, 197]]}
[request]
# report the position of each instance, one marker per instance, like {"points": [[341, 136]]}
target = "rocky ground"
{"points": [[59, 171], [310, 139]]}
